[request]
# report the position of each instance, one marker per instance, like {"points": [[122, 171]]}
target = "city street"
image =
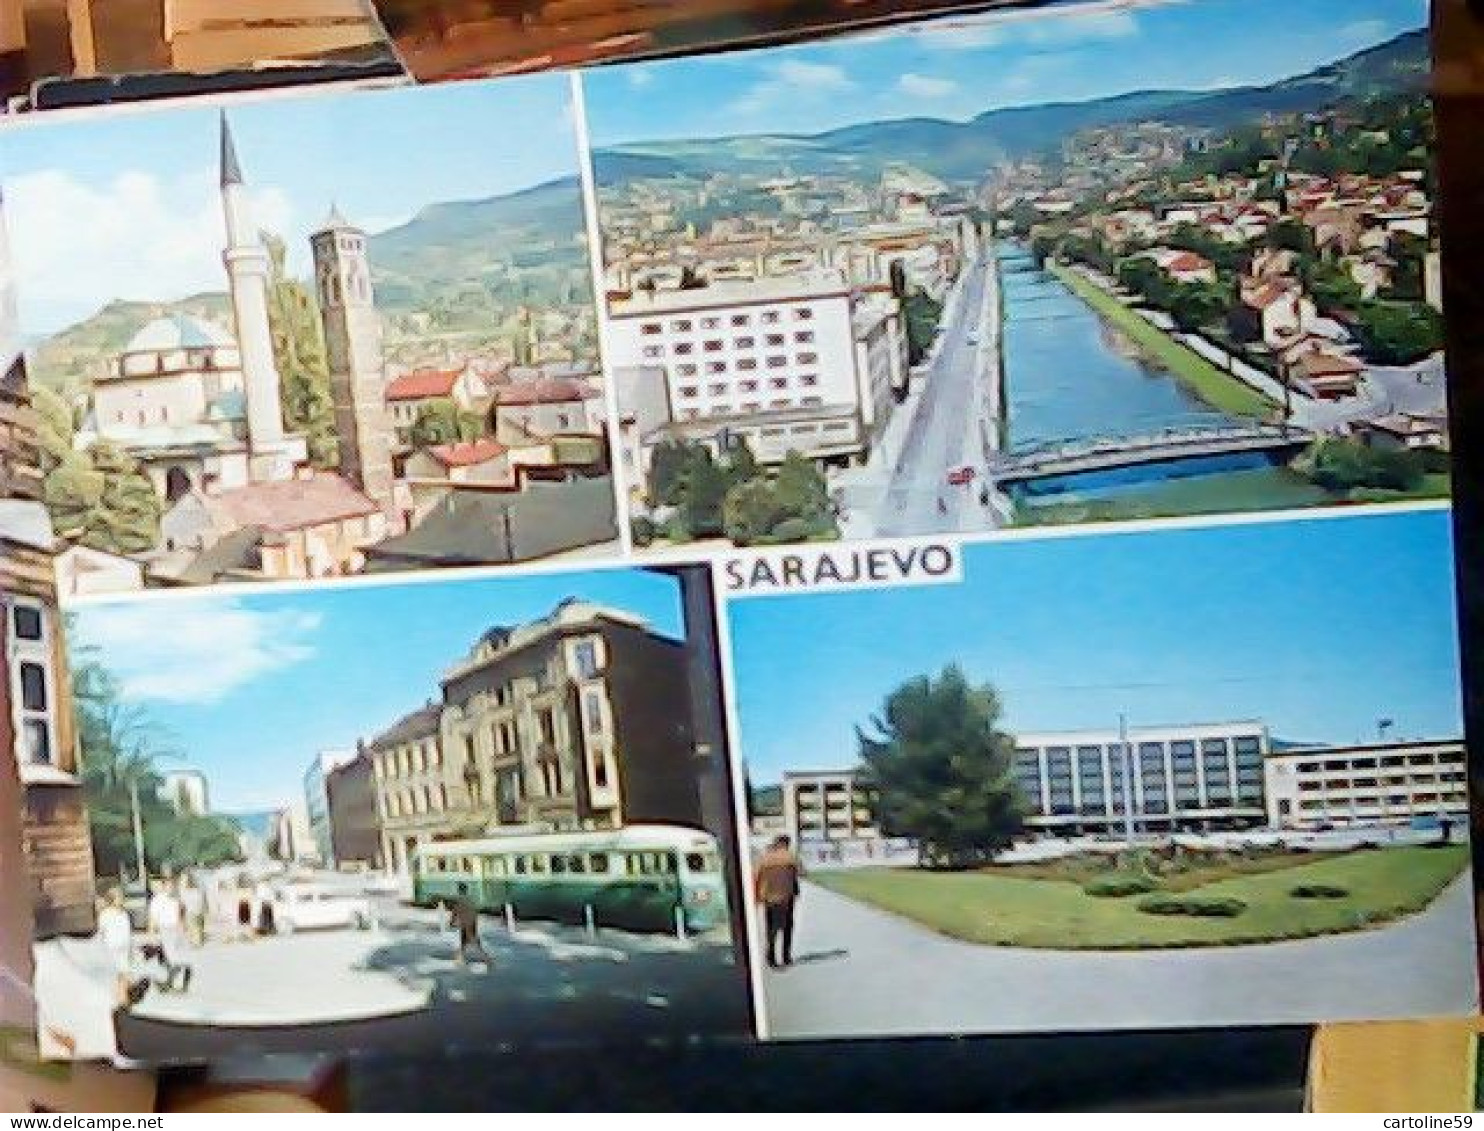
{"points": [[956, 402], [863, 972], [398, 985]]}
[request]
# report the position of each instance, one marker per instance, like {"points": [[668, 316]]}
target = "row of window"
{"points": [[744, 364], [715, 321], [716, 345], [1390, 780], [727, 409], [1386, 761], [752, 385]]}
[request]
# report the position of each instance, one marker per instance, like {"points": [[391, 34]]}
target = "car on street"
{"points": [[311, 907], [973, 337], [960, 476]]}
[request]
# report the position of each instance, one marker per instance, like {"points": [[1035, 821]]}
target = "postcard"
{"points": [[504, 818], [1212, 775], [310, 337], [955, 277]]}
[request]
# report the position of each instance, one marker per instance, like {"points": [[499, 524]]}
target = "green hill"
{"points": [[963, 150]]}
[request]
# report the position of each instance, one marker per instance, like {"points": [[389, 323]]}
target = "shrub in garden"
{"points": [[1115, 887], [1319, 891], [1217, 907]]}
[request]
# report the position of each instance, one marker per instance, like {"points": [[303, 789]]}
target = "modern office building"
{"points": [[828, 816], [788, 363], [1192, 778], [1368, 783]]}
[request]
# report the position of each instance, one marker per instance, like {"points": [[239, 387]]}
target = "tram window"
{"points": [[520, 865], [669, 863], [695, 862], [558, 865], [577, 864], [538, 865], [597, 862]]}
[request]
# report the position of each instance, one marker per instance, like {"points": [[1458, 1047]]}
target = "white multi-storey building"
{"points": [[775, 361], [1365, 784], [1194, 777]]}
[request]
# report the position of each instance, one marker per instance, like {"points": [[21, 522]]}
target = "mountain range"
{"points": [[962, 150]]}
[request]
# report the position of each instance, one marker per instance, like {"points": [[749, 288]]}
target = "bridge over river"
{"points": [[1054, 459]]}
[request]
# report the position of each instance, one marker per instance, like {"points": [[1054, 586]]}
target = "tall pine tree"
{"points": [[943, 771]]}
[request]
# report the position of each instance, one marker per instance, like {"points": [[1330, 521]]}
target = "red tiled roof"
{"points": [[467, 453], [423, 383], [1260, 298], [292, 504], [1187, 261], [546, 390]]}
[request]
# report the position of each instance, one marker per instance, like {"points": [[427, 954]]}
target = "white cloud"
{"points": [[1054, 27], [925, 86], [76, 245], [639, 77], [197, 652], [791, 79], [1362, 32]]}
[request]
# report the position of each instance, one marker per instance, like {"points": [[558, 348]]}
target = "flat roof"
{"points": [[751, 292]]}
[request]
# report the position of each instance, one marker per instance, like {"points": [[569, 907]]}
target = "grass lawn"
{"points": [[1214, 386], [1016, 906]]}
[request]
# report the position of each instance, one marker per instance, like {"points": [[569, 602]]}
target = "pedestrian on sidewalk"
{"points": [[193, 905], [166, 919], [776, 885], [117, 933], [464, 916]]}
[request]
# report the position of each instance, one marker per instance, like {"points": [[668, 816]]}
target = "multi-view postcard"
{"points": [[515, 827], [975, 274], [309, 337], [1157, 778], [939, 530]]}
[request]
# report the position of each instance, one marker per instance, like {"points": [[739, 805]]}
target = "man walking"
{"points": [[776, 885], [167, 923], [464, 916]]}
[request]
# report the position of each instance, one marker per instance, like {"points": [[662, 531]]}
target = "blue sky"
{"points": [[961, 67], [125, 205], [249, 687], [1318, 627]]}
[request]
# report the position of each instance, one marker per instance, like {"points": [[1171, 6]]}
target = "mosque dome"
{"points": [[175, 343]]}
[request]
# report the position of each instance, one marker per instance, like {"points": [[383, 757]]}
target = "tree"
{"points": [[100, 499], [705, 490], [1194, 305], [299, 354], [1291, 235], [921, 313], [119, 748], [443, 422], [750, 511], [1407, 278], [1399, 333], [667, 468], [942, 769], [1344, 465]]}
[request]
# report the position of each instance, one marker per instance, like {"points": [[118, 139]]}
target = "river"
{"points": [[1069, 375]]}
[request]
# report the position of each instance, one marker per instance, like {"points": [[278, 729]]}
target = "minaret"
{"points": [[272, 454], [342, 277]]}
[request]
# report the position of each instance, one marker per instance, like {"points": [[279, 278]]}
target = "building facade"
{"points": [[317, 801], [1368, 783], [185, 791], [1191, 778], [772, 361], [579, 720], [350, 798]]}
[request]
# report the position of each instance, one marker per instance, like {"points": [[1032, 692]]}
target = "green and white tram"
{"points": [[640, 878]]}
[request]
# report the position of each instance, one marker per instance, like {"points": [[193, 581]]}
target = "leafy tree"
{"points": [[1410, 252], [667, 468], [750, 511], [1331, 285], [444, 422], [120, 747], [1399, 333], [1291, 235], [943, 770], [921, 313], [1344, 465], [1194, 305], [706, 486], [299, 354], [100, 499]]}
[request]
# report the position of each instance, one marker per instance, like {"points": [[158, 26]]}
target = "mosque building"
{"points": [[200, 408]]}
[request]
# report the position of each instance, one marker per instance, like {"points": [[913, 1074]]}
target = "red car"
{"points": [[960, 476]]}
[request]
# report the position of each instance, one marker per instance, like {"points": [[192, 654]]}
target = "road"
{"points": [[956, 401], [860, 971], [398, 986]]}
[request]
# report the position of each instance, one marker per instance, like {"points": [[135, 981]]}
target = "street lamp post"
{"points": [[138, 822]]}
